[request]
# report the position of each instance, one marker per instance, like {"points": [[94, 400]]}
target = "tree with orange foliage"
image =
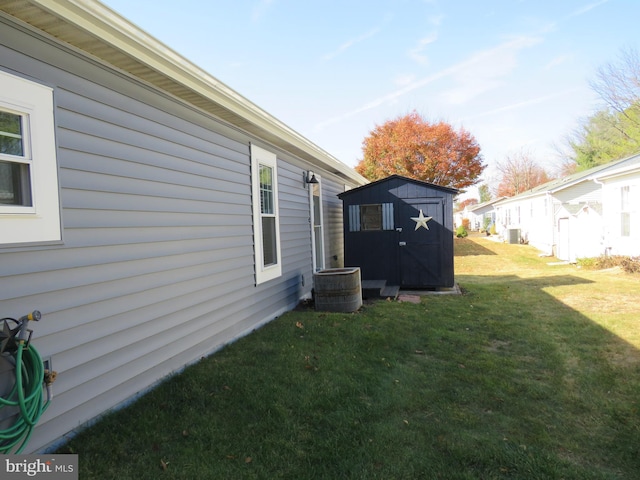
{"points": [[415, 148], [520, 173]]}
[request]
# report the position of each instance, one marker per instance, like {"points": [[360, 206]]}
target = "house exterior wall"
{"points": [[156, 267], [583, 192], [578, 233], [533, 216], [540, 223], [619, 240]]}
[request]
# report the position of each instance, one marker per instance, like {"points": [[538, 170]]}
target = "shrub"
{"points": [[461, 232], [628, 264], [493, 229], [631, 264], [588, 263]]}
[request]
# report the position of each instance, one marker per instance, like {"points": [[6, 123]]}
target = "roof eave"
{"points": [[95, 29]]}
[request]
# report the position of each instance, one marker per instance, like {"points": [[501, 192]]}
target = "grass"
{"points": [[532, 373]]}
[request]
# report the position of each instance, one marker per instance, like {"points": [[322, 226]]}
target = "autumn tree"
{"points": [[467, 203], [413, 147], [520, 173]]}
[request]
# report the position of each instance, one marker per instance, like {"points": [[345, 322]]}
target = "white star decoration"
{"points": [[421, 220]]}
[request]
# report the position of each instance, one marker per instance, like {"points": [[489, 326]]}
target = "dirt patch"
{"points": [[497, 345]]}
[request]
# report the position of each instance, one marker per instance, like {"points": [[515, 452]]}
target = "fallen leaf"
{"points": [[248, 460], [185, 433], [419, 352], [299, 325], [164, 465]]}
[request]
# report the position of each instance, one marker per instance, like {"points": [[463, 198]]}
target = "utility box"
{"points": [[400, 230], [514, 235]]}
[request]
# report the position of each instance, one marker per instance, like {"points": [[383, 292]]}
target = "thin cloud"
{"points": [[416, 52], [350, 43], [587, 8], [464, 68], [556, 61], [524, 103]]}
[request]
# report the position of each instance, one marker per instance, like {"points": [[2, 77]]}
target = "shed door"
{"points": [[420, 243]]}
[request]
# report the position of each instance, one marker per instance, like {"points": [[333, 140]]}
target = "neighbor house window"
{"points": [[29, 204], [266, 227], [625, 212]]}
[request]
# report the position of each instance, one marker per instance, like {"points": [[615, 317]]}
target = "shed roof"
{"points": [[94, 29], [450, 190]]}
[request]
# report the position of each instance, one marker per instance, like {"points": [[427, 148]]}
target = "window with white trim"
{"points": [[266, 222], [317, 225], [625, 212], [29, 203]]}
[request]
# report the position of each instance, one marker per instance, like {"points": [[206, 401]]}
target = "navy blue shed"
{"points": [[400, 230]]}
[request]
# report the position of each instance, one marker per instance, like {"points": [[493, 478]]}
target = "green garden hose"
{"points": [[26, 396]]}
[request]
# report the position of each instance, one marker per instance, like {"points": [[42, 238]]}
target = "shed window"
{"points": [[372, 217], [266, 226], [29, 203]]}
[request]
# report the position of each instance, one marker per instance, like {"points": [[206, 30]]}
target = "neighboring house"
{"points": [[482, 215], [621, 208], [572, 217], [150, 212]]}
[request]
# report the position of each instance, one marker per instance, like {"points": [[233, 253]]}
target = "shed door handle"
{"points": [[402, 244]]}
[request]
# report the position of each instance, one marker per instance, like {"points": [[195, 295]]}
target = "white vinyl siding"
{"points": [[266, 229], [156, 202], [29, 204]]}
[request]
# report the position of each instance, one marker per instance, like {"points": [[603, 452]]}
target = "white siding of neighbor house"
{"points": [[585, 191], [538, 222], [156, 267], [612, 210]]}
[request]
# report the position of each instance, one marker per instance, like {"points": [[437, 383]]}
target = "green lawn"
{"points": [[532, 373]]}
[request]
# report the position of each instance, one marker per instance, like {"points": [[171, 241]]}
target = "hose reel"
{"points": [[22, 402]]}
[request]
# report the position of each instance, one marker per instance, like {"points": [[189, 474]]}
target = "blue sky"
{"points": [[514, 73]]}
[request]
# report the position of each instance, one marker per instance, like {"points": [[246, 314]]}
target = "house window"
{"points": [[372, 217], [625, 213], [266, 226], [317, 239], [15, 166], [29, 203]]}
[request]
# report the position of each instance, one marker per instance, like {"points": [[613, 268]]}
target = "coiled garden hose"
{"points": [[26, 396]]}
